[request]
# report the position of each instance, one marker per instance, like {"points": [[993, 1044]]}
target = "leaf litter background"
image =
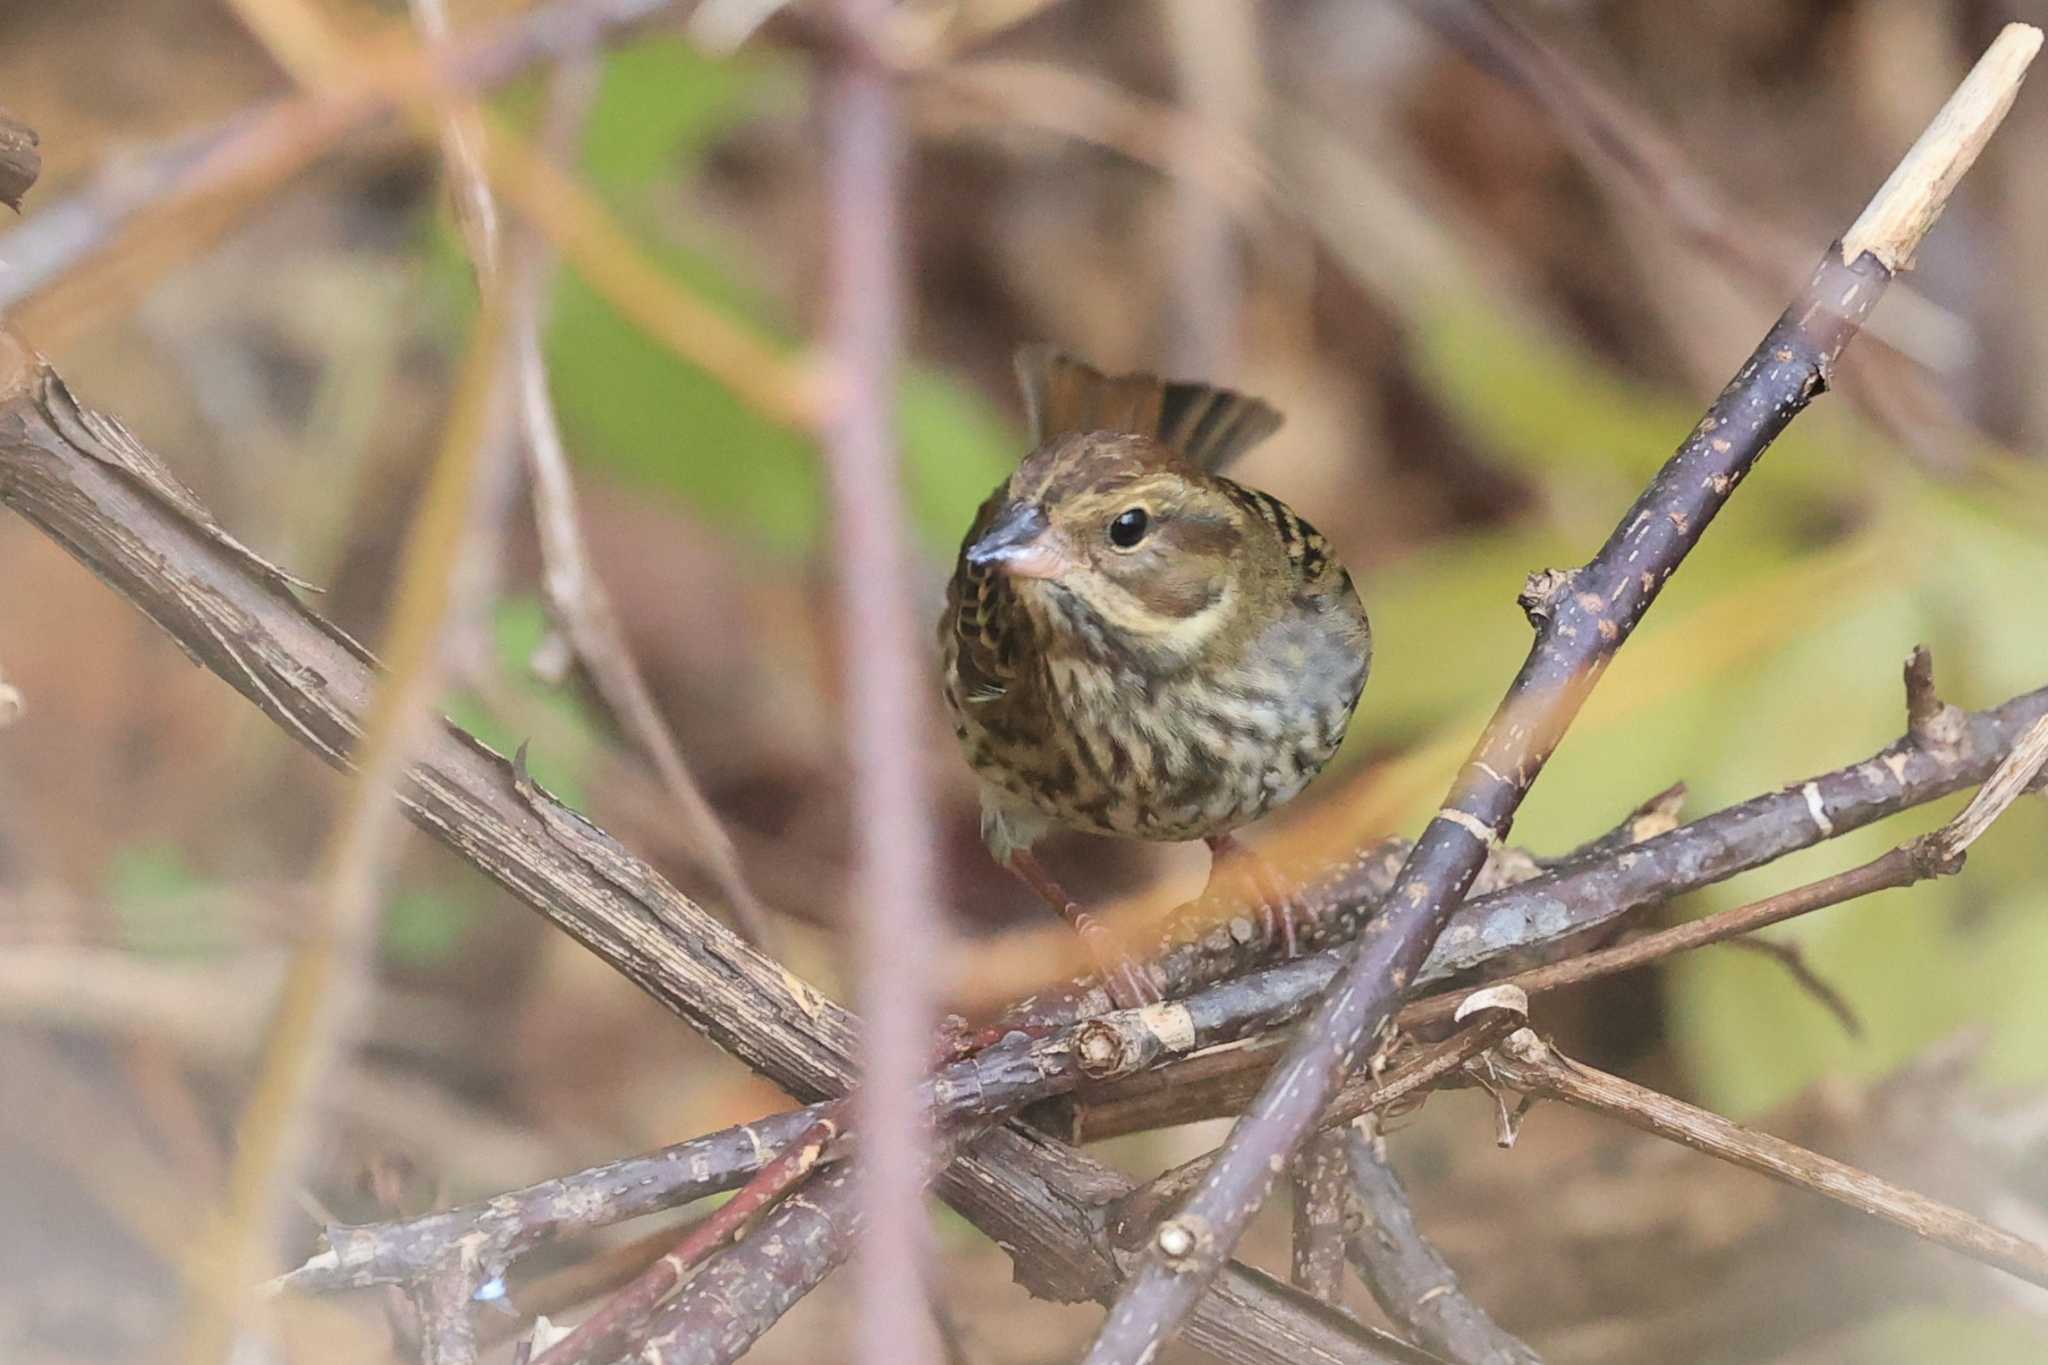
{"points": [[1483, 347]]}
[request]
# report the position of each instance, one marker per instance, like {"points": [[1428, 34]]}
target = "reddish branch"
{"points": [[1582, 617], [635, 1304]]}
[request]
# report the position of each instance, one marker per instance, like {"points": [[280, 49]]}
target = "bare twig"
{"points": [[576, 598], [581, 607], [895, 890], [1526, 1063], [634, 1304], [500, 1229], [1492, 1015], [1217, 63], [1582, 618], [1932, 723], [447, 572], [442, 1300], [1789, 956], [1611, 137], [742, 1292], [1937, 854], [1317, 1255], [1406, 1274]]}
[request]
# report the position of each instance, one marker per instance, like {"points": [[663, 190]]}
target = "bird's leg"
{"points": [[1268, 891], [1128, 986]]}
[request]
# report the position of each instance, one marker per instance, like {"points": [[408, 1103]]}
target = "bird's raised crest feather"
{"points": [[1211, 426]]}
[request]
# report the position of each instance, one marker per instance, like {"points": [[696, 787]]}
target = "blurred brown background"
{"points": [[1490, 283]]}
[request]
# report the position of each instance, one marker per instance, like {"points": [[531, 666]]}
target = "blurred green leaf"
{"points": [[955, 451], [635, 409], [423, 927], [663, 103], [1592, 439], [1919, 963], [1912, 1336], [163, 906]]}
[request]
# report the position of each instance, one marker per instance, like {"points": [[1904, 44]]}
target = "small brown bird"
{"points": [[1135, 645]]}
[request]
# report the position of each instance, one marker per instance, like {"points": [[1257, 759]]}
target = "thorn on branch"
{"points": [[1540, 593], [1932, 723]]}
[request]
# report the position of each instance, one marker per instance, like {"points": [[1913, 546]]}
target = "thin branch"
{"points": [[576, 598], [635, 1304], [1407, 1276], [1218, 72], [446, 574], [745, 1290], [1316, 1265], [1937, 854], [1582, 617], [895, 885], [1490, 1017], [506, 1226], [1608, 136], [442, 1300], [1932, 723], [1789, 956], [1524, 1062]]}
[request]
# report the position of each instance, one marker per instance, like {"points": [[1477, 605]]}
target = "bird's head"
{"points": [[1115, 537]]}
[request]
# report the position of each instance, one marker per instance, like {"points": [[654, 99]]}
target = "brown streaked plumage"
{"points": [[1134, 644]]}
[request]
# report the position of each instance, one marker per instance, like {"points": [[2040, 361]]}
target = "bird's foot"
{"points": [[1129, 985], [1264, 888]]}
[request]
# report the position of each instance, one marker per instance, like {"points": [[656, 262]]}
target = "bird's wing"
{"points": [[980, 617]]}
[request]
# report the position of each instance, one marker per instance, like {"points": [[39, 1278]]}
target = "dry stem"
{"points": [[1526, 1063]]}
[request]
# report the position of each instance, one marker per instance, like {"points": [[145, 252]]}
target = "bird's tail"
{"points": [[1210, 426]]}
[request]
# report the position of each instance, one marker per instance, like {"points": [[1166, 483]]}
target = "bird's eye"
{"points": [[1129, 527]]}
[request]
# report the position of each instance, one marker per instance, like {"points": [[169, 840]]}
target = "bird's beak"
{"points": [[1020, 544]]}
